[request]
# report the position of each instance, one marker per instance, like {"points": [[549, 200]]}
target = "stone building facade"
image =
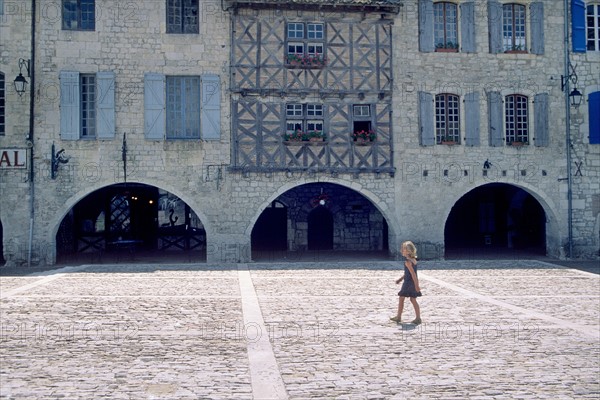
{"points": [[185, 106]]}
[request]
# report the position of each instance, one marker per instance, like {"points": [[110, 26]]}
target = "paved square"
{"points": [[491, 329]]}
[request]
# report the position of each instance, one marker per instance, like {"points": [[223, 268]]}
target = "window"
{"points": [[445, 26], [304, 117], [2, 105], [182, 16], [78, 15], [513, 27], [87, 105], [183, 107], [447, 118], [305, 44], [593, 27], [361, 118], [516, 119], [87, 84]]}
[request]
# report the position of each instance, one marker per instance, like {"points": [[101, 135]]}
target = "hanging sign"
{"points": [[13, 158]]}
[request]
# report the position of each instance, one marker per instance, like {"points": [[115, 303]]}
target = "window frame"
{"points": [[447, 129], [188, 110], [77, 16], [304, 39], [445, 26], [2, 104], [514, 46], [595, 17], [88, 106], [300, 114], [182, 27], [516, 123]]}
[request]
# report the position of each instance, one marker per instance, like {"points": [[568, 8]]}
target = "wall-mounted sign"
{"points": [[13, 158]]}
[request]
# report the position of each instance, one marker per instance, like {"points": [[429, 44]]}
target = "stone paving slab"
{"points": [[492, 330]]}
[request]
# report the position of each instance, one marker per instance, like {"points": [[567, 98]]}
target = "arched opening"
{"points": [[130, 220], [320, 229], [496, 218], [320, 217]]}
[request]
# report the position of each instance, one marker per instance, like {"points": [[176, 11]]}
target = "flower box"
{"points": [[449, 142], [305, 61], [364, 136], [518, 144]]}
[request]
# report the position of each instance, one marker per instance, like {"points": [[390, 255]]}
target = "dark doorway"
{"points": [[496, 218], [320, 229], [270, 230]]}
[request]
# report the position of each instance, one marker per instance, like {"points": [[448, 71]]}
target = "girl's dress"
{"points": [[408, 285]]}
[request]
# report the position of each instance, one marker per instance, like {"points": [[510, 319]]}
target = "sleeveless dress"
{"points": [[408, 285]]}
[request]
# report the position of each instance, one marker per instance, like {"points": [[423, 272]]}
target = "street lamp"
{"points": [[20, 81]]}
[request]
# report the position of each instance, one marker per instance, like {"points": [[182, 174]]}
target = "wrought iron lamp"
{"points": [[20, 82], [575, 96]]}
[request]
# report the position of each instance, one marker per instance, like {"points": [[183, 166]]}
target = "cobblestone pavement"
{"points": [[491, 329]]}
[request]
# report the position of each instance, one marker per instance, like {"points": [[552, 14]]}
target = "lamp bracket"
{"points": [[57, 158], [25, 64], [571, 77]]}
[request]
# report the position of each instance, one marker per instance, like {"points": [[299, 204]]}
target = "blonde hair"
{"points": [[411, 249]]}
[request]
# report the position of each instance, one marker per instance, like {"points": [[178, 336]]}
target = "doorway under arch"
{"points": [[320, 229], [130, 219], [496, 218]]}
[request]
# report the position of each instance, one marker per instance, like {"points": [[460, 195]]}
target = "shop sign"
{"points": [[13, 158]]}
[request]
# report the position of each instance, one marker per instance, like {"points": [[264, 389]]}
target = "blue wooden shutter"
{"points": [[154, 106], [472, 119], [426, 115], [495, 26], [578, 15], [467, 27], [105, 106], [69, 105], [495, 119], [594, 113], [540, 119], [537, 27], [426, 44], [210, 108]]}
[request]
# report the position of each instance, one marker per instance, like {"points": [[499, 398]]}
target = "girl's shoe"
{"points": [[416, 321], [395, 319]]}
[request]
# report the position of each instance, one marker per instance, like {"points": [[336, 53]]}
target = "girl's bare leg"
{"points": [[400, 307], [413, 300]]}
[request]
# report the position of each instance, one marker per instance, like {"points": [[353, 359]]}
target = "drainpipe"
{"points": [[30, 136], [568, 129]]}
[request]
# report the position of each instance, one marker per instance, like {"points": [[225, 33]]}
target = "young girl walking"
{"points": [[410, 288]]}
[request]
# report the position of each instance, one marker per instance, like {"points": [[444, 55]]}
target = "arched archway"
{"points": [[496, 218], [130, 218], [323, 216], [270, 230]]}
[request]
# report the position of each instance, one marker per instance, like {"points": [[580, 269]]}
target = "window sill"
{"points": [[300, 66], [304, 142], [448, 142], [443, 50], [515, 52]]}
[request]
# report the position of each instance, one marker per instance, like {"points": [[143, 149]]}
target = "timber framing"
{"points": [[349, 80]]}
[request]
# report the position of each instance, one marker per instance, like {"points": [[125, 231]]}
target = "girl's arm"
{"points": [[409, 264], [399, 279]]}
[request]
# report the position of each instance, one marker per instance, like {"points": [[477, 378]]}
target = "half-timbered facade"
{"points": [[312, 86]]}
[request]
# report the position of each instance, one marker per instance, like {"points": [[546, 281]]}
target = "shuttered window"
{"points": [[182, 16], [87, 105], [182, 107]]}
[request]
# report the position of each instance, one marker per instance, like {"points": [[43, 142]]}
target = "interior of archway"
{"points": [[496, 219], [130, 222], [320, 219]]}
